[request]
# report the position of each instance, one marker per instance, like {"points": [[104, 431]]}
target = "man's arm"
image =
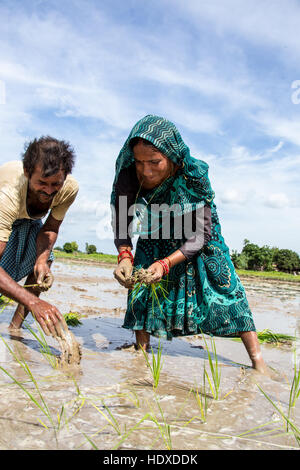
{"points": [[47, 315], [44, 243], [2, 248]]}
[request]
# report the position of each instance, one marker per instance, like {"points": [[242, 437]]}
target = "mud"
{"points": [[113, 376], [70, 349], [141, 276]]}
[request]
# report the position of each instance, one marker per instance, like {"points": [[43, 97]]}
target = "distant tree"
{"points": [[287, 260], [259, 258], [68, 248], [253, 253], [240, 260], [90, 249], [74, 246], [58, 248], [265, 258]]}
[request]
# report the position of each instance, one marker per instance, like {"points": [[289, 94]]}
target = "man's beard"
{"points": [[46, 196]]}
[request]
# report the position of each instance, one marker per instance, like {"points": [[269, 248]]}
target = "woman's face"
{"points": [[152, 167]]}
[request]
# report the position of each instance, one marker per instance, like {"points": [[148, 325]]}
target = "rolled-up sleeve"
{"points": [[65, 200], [8, 214], [202, 223]]}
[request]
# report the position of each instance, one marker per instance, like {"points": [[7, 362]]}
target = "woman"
{"points": [[204, 294]]}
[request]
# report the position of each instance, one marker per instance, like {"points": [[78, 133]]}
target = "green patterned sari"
{"points": [[204, 294]]}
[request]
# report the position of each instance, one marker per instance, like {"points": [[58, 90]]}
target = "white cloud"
{"points": [[268, 22], [203, 69], [277, 200], [284, 127]]}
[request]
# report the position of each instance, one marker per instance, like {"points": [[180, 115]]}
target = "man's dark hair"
{"points": [[52, 154]]}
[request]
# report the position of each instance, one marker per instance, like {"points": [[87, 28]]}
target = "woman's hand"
{"points": [[157, 272], [123, 272]]}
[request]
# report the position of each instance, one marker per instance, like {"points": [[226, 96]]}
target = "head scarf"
{"points": [[191, 184]]}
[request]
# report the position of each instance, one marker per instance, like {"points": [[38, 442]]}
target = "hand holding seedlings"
{"points": [[44, 276], [141, 276]]}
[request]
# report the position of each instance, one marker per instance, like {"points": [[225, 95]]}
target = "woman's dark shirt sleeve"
{"points": [[126, 186], [194, 244]]}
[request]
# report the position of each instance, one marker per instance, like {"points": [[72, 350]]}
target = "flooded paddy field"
{"points": [[109, 401]]}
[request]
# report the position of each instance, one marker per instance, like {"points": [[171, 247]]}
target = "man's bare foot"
{"points": [[13, 327]]}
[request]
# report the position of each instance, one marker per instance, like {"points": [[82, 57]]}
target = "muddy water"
{"points": [[111, 391]]}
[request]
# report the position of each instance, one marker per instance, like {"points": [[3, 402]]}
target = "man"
{"points": [[28, 191]]}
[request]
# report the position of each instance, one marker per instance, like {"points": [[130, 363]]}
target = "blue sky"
{"points": [[221, 70]]}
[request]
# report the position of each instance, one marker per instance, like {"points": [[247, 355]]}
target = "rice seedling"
{"points": [[4, 302], [72, 318], [156, 365], [142, 281], [295, 387], [37, 399], [215, 380], [134, 428], [164, 428], [201, 398], [44, 347], [286, 417]]}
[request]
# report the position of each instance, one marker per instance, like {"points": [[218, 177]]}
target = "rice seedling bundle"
{"points": [[142, 279], [73, 318]]}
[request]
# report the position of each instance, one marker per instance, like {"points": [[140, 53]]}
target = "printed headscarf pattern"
{"points": [[191, 184]]}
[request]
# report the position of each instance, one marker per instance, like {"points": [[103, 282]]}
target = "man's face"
{"points": [[45, 188]]}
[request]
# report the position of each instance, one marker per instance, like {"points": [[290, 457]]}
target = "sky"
{"points": [[226, 72]]}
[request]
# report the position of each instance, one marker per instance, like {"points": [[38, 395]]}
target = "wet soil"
{"points": [[104, 398]]}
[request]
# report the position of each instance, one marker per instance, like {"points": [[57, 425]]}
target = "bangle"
{"points": [[169, 261], [126, 252], [165, 266]]}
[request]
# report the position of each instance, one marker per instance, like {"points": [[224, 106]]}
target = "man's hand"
{"points": [[44, 276], [48, 316], [123, 272]]}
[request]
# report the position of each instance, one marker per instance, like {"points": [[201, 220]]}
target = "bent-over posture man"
{"points": [[28, 191]]}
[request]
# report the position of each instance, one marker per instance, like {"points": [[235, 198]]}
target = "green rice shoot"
{"points": [[73, 319]]}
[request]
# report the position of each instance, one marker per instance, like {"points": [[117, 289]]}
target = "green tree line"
{"points": [[71, 247], [265, 258]]}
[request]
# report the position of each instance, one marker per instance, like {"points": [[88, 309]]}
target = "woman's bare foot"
{"points": [[252, 346], [259, 364]]}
